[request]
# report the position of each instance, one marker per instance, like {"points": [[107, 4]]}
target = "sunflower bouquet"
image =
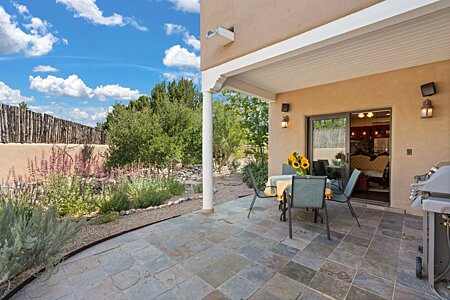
{"points": [[299, 162]]}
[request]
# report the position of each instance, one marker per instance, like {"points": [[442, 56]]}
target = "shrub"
{"points": [[198, 188], [151, 198], [259, 172], [173, 186], [102, 219], [135, 186], [31, 238], [71, 195], [118, 201]]}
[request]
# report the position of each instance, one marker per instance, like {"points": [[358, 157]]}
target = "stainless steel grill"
{"points": [[431, 194]]}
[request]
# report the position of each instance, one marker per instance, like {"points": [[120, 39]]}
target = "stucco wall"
{"points": [[260, 23], [399, 90], [17, 155]]}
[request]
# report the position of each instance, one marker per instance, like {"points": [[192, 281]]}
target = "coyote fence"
{"points": [[19, 125]]}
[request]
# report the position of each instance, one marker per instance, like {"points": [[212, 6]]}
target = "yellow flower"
{"points": [[305, 164], [292, 158], [296, 165]]}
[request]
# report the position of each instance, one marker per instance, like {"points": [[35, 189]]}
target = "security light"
{"points": [[223, 35]]}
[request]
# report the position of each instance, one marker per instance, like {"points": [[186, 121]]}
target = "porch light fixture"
{"points": [[361, 115], [285, 121], [427, 109], [223, 35]]}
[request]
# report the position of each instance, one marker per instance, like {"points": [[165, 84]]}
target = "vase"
{"points": [[300, 172]]}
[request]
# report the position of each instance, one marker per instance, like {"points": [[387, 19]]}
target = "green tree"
{"points": [[184, 91], [227, 133], [159, 130], [254, 120], [137, 136], [23, 105]]}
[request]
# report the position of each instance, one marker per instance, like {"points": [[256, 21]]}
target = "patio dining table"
{"points": [[280, 185]]}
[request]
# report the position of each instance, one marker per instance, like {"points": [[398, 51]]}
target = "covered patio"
{"points": [[376, 58], [224, 255]]}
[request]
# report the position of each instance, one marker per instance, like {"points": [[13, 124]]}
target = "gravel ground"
{"points": [[228, 189]]}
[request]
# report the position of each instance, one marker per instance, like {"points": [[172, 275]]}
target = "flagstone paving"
{"points": [[227, 256]]}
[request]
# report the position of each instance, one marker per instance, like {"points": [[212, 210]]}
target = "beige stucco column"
{"points": [[207, 153]]}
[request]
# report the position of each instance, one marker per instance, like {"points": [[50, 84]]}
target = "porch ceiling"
{"points": [[418, 41]]}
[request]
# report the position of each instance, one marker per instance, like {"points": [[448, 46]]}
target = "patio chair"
{"points": [[258, 193], [346, 195], [319, 168], [308, 192], [287, 170]]}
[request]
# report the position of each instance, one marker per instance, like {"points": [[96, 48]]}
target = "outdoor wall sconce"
{"points": [[285, 121], [223, 35], [427, 109]]}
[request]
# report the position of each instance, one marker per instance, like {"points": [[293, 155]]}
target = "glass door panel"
{"points": [[329, 141]]}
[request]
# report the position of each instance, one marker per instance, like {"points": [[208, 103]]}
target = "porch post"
{"points": [[207, 154]]}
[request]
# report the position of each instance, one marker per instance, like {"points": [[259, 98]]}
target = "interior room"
{"points": [[370, 153]]}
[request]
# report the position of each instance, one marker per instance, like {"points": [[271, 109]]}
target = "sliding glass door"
{"points": [[328, 146]]}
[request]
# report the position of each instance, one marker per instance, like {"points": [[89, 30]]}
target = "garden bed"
{"points": [[227, 189]]}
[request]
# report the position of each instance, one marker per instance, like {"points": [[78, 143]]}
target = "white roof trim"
{"points": [[376, 17]]}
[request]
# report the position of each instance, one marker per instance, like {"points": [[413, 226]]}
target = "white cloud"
{"points": [[132, 21], [89, 10], [191, 41], [174, 28], [45, 68], [37, 26], [170, 76], [71, 87], [188, 38], [87, 115], [65, 42], [11, 96], [22, 9], [36, 42], [187, 5], [115, 91], [177, 56], [78, 115], [74, 87]]}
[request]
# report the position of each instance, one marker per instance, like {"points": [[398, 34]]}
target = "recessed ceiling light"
{"points": [[370, 114]]}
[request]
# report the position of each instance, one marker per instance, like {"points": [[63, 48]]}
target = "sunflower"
{"points": [[305, 164], [292, 157], [296, 164]]}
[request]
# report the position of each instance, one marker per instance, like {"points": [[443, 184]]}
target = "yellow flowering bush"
{"points": [[299, 162]]}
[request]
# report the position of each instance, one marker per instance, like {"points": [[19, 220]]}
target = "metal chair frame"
{"points": [[258, 193], [315, 208], [347, 193]]}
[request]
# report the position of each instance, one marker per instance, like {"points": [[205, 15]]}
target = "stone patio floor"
{"points": [[227, 256]]}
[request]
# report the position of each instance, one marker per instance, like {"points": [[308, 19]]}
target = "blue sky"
{"points": [[76, 58]]}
